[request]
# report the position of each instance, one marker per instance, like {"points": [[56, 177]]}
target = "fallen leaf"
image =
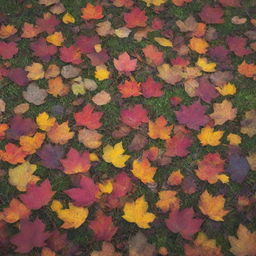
{"points": [[34, 94]]}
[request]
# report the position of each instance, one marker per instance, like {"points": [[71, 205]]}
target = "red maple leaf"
{"points": [[8, 50], [98, 58], [151, 88], [103, 227], [37, 196], [47, 23], [209, 167], [70, 54], [237, 45], [154, 56], [18, 76], [183, 222], [42, 50], [192, 116], [206, 91], [12, 154], [178, 144], [86, 44], [32, 234], [212, 15], [75, 162], [88, 118], [124, 63], [86, 194], [134, 116], [136, 18]]}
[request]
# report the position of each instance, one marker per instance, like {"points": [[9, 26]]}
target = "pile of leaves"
{"points": [[128, 127]]}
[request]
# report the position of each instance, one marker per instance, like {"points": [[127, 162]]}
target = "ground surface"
{"points": [[189, 63]]}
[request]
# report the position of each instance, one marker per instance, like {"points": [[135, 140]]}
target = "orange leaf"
{"points": [[15, 211], [159, 129], [31, 144], [12, 154], [91, 12], [57, 87], [168, 201], [248, 70], [129, 88], [60, 133], [198, 45]]}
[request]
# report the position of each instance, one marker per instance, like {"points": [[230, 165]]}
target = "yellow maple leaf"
{"points": [[208, 136], [106, 187], [158, 129], [45, 122], [227, 89], [60, 133], [198, 45], [56, 39], [115, 155], [136, 212], [68, 18], [212, 206], [22, 175], [234, 139], [35, 71], [163, 41], [31, 144], [154, 2], [143, 170], [205, 66], [73, 216], [101, 72], [168, 200]]}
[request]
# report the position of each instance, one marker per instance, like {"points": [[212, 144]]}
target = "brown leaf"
{"points": [[90, 138], [122, 131], [2, 105], [70, 71], [101, 98], [21, 108], [34, 94], [57, 8], [139, 141]]}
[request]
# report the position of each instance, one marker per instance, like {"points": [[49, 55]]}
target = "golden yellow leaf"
{"points": [[198, 45], [205, 66], [244, 244], [35, 71], [168, 200], [30, 144], [154, 2], [73, 216], [45, 122], [68, 18], [212, 206], [115, 155], [22, 175], [136, 212], [234, 139], [227, 89], [56, 39], [163, 41], [101, 72], [208, 136], [143, 170], [106, 187]]}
